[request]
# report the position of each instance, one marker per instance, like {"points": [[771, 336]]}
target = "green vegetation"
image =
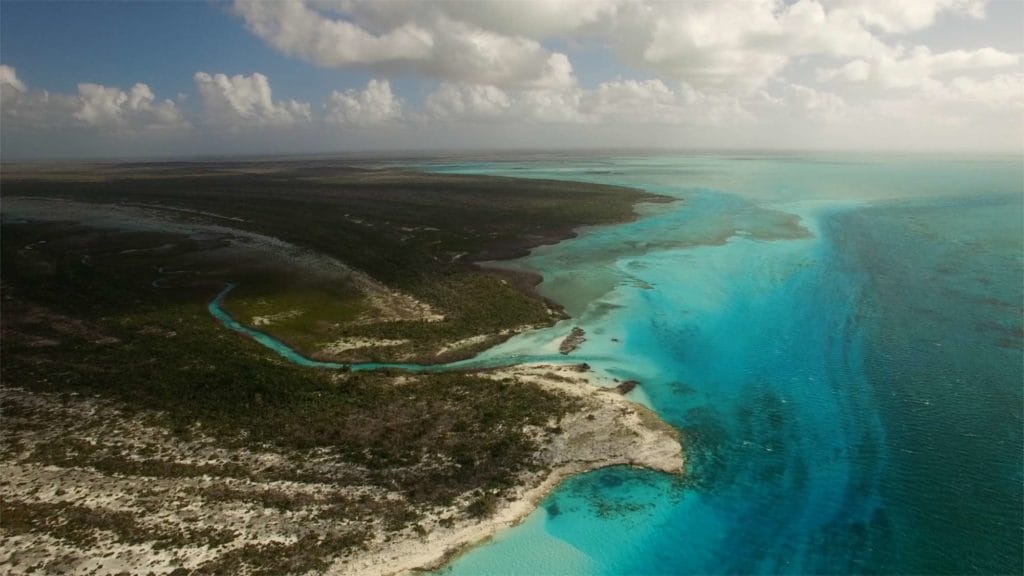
{"points": [[312, 552], [431, 436], [118, 314], [303, 316], [84, 526], [400, 227], [415, 232]]}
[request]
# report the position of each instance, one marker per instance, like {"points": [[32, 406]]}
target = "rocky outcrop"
{"points": [[607, 430], [573, 340], [626, 387]]}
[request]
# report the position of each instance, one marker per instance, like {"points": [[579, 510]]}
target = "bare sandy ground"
{"points": [[609, 431], [358, 343], [89, 489], [127, 496]]}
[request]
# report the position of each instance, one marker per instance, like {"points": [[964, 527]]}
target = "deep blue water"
{"points": [[850, 401], [838, 340]]}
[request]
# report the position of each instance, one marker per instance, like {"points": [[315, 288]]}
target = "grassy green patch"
{"points": [[86, 526], [312, 552], [432, 436], [306, 317], [413, 231], [121, 314]]}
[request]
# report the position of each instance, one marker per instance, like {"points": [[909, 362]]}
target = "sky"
{"points": [[180, 79]]}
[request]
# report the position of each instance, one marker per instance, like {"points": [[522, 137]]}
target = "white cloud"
{"points": [[632, 100], [919, 66], [246, 102], [946, 114], [618, 102], [708, 45], [467, 101], [111, 108], [9, 79], [816, 105], [853, 71], [740, 45], [718, 109], [466, 53], [295, 28], [37, 110], [436, 45], [807, 27], [736, 47], [1003, 92], [103, 108], [802, 70], [482, 102], [550, 106], [526, 18], [909, 15], [374, 105]]}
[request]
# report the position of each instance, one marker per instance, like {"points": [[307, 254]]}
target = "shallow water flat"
{"points": [[838, 340]]}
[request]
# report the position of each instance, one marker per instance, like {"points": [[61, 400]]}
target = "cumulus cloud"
{"points": [[111, 108], [374, 105], [817, 105], [1001, 92], [478, 102], [919, 66], [20, 108], [619, 102], [464, 52], [9, 79], [246, 102], [338, 35], [468, 101], [710, 45], [746, 43], [738, 46], [525, 18], [707, 45], [909, 15], [104, 108], [634, 100], [550, 106], [770, 65], [296, 28]]}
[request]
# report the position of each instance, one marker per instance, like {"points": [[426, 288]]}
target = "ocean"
{"points": [[837, 338]]}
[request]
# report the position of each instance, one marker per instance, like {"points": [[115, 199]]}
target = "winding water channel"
{"points": [[836, 337]]}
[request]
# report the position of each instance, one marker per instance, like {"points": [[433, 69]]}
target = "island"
{"points": [[571, 342], [141, 434]]}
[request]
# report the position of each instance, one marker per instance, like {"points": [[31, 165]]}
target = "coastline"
{"points": [[609, 430], [389, 303], [254, 501], [659, 447], [621, 433]]}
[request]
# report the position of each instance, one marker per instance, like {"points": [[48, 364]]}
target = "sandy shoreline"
{"points": [[249, 501], [225, 506], [621, 432]]}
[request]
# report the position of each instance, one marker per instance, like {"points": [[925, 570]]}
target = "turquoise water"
{"points": [[838, 340], [289, 353], [849, 401]]}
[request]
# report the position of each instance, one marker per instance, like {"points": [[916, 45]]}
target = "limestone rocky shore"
{"points": [[118, 494], [610, 430]]}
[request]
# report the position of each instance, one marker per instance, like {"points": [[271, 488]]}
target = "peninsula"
{"points": [[140, 435]]}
